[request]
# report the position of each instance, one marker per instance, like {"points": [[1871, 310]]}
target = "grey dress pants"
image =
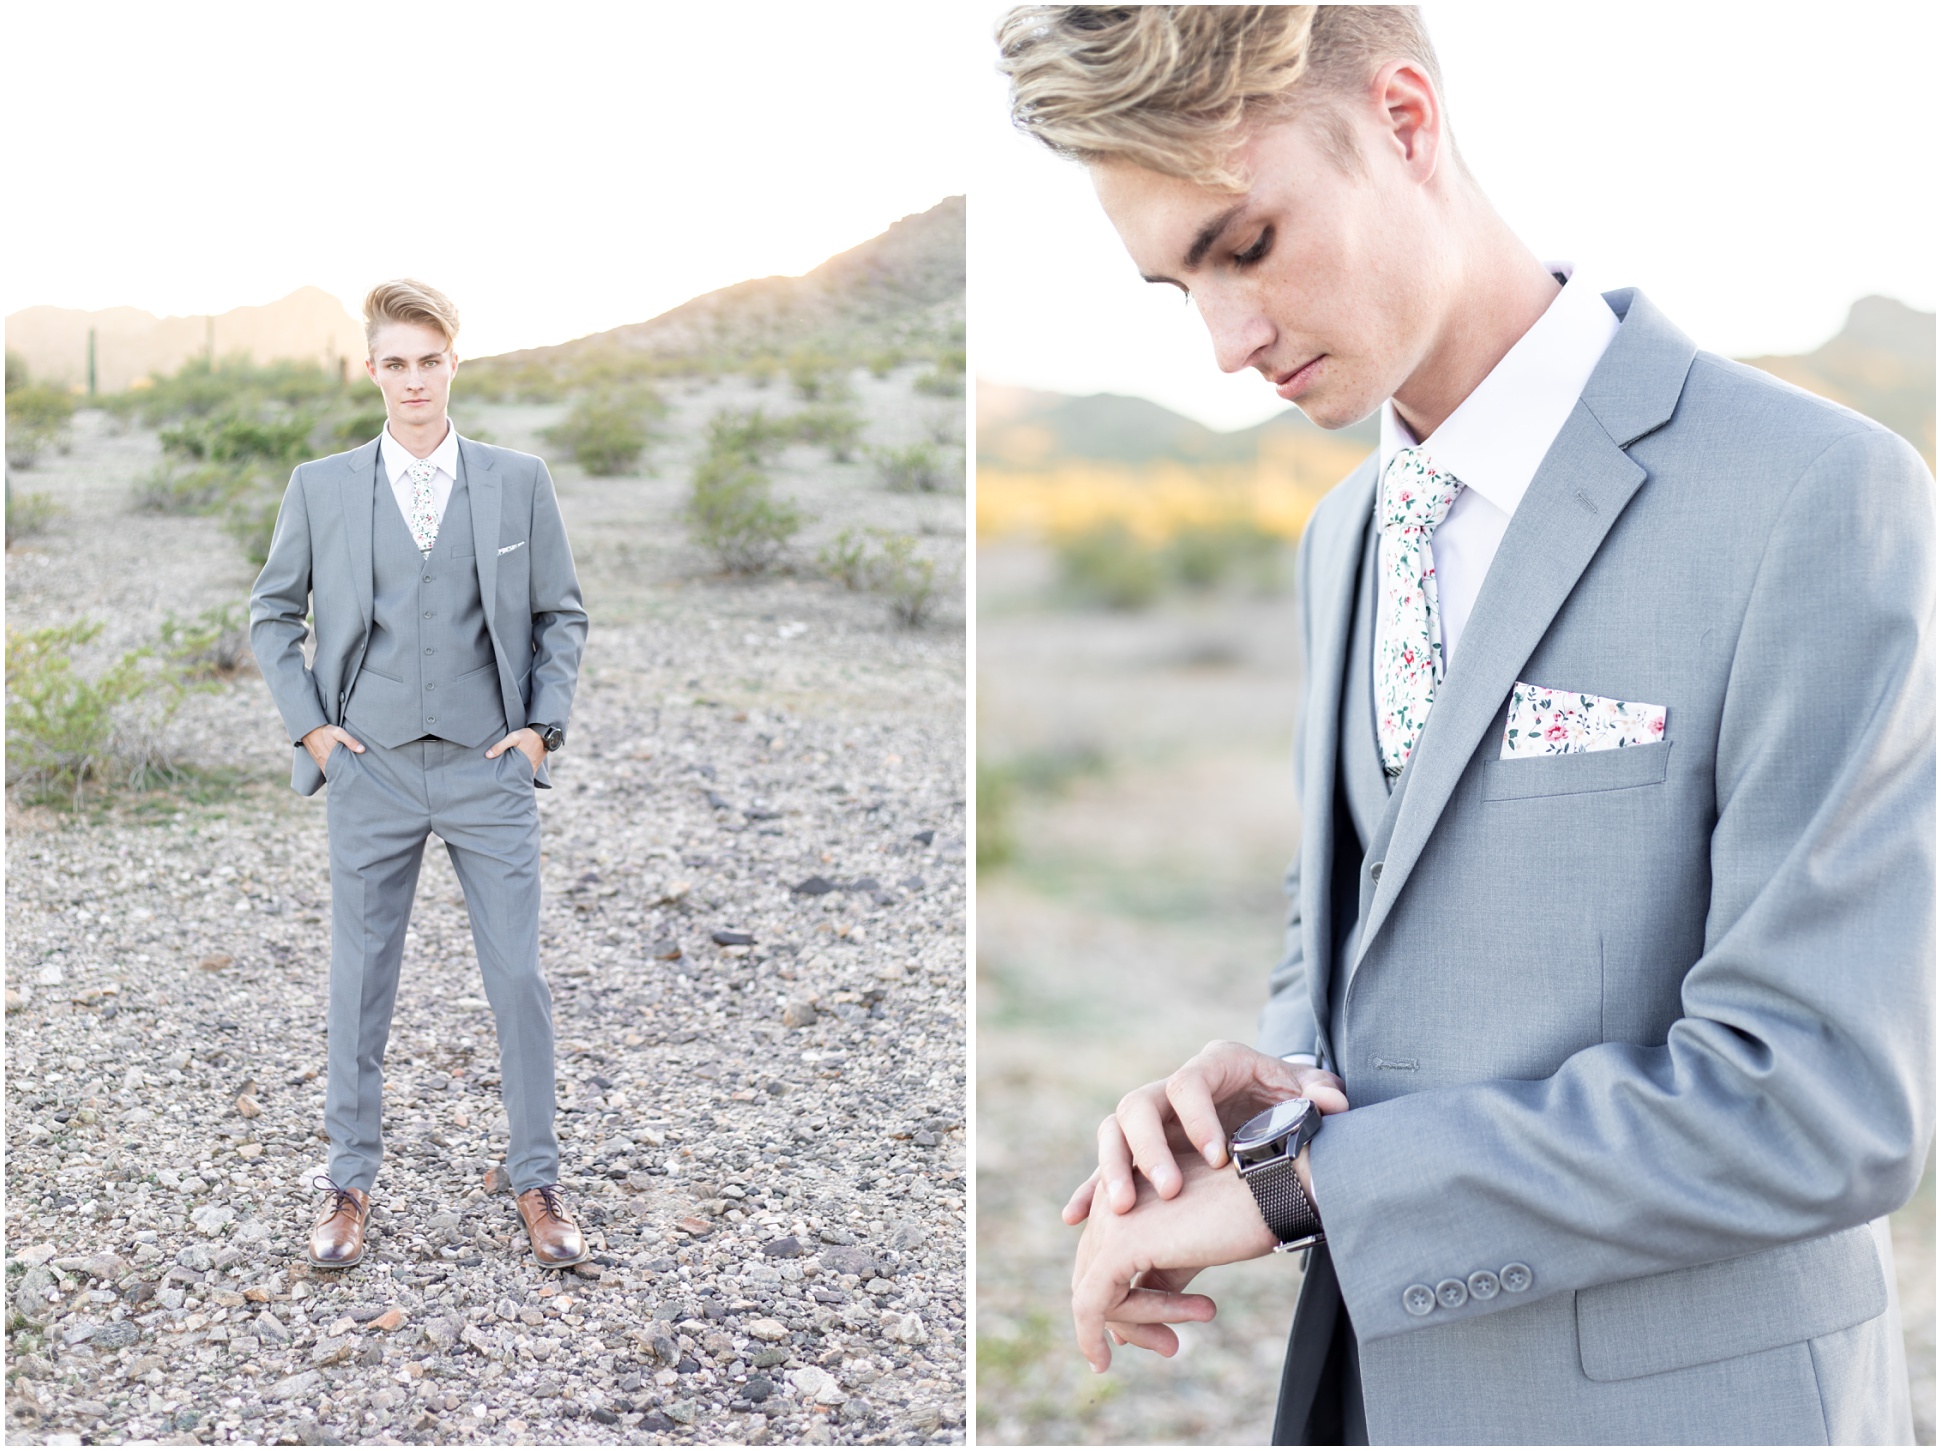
{"points": [[381, 806]]}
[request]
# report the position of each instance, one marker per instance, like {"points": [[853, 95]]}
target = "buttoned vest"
{"points": [[429, 669]]}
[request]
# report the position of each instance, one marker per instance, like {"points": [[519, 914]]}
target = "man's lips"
{"points": [[1292, 385]]}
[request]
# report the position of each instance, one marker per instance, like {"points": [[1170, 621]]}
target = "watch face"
{"points": [[1271, 1125]]}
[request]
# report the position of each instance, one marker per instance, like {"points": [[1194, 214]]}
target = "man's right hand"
{"points": [[320, 741], [1213, 1093]]}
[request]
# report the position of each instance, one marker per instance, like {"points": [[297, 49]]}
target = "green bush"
{"points": [[1106, 564], [30, 513], [356, 427], [731, 514], [37, 419], [242, 438], [996, 797], [907, 580], [882, 364], [249, 517], [17, 375], [204, 489], [846, 559], [214, 645], [65, 731], [916, 469], [1203, 556], [946, 379], [607, 433], [200, 388], [751, 435], [836, 428], [819, 378]]}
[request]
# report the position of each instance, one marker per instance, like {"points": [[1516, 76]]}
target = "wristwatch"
{"points": [[1264, 1149], [553, 736]]}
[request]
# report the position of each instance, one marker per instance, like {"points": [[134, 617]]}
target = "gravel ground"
{"points": [[765, 1141]]}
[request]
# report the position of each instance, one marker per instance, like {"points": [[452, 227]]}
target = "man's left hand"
{"points": [[1131, 1267], [526, 741]]}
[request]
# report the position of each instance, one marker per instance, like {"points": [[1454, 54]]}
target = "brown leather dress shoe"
{"points": [[556, 1239], [338, 1240]]}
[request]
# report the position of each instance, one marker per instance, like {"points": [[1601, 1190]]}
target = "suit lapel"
{"points": [[359, 495], [1335, 563], [482, 488], [1582, 486]]}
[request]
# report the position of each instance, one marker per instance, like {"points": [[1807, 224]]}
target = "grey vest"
{"points": [[1365, 805], [429, 669]]}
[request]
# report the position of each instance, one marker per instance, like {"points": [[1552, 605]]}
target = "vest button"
{"points": [[431, 720], [427, 614], [431, 687], [430, 651], [427, 579]]}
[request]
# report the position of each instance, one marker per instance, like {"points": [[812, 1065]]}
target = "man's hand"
{"points": [[1214, 1093], [320, 742], [527, 742], [1132, 1266]]}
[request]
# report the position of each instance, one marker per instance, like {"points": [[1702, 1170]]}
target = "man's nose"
{"points": [[1239, 332]]}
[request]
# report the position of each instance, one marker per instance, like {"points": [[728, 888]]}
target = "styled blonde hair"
{"points": [[1173, 88], [406, 300]]}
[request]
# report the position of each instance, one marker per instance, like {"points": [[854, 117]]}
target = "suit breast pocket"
{"points": [[1578, 772]]}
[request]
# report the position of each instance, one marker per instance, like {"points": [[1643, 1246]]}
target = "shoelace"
{"points": [[549, 1196], [343, 1198]]}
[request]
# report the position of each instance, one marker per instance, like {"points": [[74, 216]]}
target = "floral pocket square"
{"points": [[510, 547], [1546, 722]]}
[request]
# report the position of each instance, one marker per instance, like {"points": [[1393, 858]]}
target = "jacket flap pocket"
{"points": [[1731, 1308], [1520, 777]]}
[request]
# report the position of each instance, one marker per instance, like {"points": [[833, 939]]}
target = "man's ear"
{"points": [[370, 369], [1412, 115]]}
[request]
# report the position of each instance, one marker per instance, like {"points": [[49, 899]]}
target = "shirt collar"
{"points": [[1498, 435], [397, 458]]}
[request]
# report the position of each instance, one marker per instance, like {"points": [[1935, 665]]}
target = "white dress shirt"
{"points": [[1498, 435], [397, 460]]}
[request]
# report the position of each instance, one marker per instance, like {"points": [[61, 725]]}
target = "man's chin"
{"points": [[1332, 411]]}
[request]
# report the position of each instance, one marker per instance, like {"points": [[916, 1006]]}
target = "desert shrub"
{"points": [[996, 799], [65, 730], [203, 489], [945, 428], [17, 374], [761, 369], [819, 378], [214, 645], [353, 428], [846, 559], [731, 514], [249, 517], [37, 419], [835, 427], [916, 469], [946, 379], [606, 433], [1107, 564], [906, 579], [200, 388], [242, 438], [752, 435], [1202, 556], [882, 364], [29, 513]]}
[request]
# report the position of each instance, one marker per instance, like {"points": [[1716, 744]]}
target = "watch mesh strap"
{"points": [[1283, 1203]]}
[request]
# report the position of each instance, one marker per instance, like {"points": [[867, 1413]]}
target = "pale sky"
{"points": [[1754, 169], [558, 170]]}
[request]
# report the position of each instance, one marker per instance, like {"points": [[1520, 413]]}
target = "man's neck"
{"points": [[420, 439], [1497, 294]]}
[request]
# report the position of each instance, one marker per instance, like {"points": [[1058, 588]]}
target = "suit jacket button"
{"points": [[1484, 1284], [1452, 1293], [1418, 1299], [427, 579], [1375, 872], [1517, 1278]]}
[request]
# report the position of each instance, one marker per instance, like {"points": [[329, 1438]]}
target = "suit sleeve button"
{"points": [[1452, 1293], [1418, 1299], [1517, 1278], [1484, 1284]]}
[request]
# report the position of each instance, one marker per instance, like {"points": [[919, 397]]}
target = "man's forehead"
{"points": [[1167, 222], [409, 340]]}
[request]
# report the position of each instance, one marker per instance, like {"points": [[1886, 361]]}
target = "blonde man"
{"points": [[1608, 970], [448, 636]]}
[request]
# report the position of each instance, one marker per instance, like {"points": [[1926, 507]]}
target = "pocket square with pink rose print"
{"points": [[1545, 722]]}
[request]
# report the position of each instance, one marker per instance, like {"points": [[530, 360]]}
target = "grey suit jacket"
{"points": [[320, 559], [1652, 1023]]}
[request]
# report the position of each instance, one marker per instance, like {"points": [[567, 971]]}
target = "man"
{"points": [[1609, 954], [448, 636]]}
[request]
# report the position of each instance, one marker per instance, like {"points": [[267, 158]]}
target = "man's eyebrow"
{"points": [[1203, 242]]}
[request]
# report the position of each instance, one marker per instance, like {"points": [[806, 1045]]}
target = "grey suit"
{"points": [[425, 661], [1638, 1040]]}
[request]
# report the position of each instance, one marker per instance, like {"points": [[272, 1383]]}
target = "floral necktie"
{"points": [[1415, 498], [423, 522]]}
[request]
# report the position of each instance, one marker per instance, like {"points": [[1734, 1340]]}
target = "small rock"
{"points": [[271, 1328], [909, 1331], [212, 1219], [291, 1387], [497, 1180], [798, 1013], [36, 1255], [768, 1329], [333, 1350], [665, 951], [587, 1270], [682, 1412], [248, 1107], [216, 962], [759, 1388], [733, 939], [15, 1002], [856, 1410], [833, 1235], [655, 1421], [849, 1260], [924, 838], [390, 1320], [50, 975], [693, 1224], [116, 1334], [814, 886], [770, 1358], [786, 1248], [195, 1257]]}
